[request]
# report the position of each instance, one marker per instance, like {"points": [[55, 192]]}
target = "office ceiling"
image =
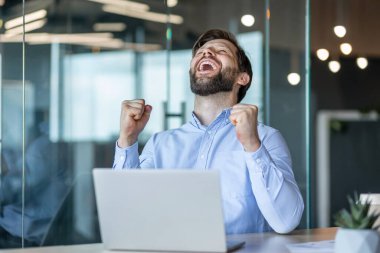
{"points": [[360, 18]]}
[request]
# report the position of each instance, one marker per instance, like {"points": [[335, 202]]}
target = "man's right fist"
{"points": [[134, 116]]}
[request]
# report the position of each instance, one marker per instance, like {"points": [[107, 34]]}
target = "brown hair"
{"points": [[244, 64]]}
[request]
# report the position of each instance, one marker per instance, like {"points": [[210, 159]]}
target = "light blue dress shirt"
{"points": [[258, 188]]}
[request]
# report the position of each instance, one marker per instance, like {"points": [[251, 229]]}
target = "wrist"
{"points": [[124, 142], [252, 147]]}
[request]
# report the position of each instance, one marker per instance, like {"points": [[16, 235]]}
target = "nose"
{"points": [[208, 52]]}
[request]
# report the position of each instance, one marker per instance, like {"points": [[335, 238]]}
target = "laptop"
{"points": [[161, 210]]}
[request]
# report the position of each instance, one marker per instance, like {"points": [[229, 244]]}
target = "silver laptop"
{"points": [[160, 210]]}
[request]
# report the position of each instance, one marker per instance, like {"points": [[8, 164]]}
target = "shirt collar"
{"points": [[221, 120]]}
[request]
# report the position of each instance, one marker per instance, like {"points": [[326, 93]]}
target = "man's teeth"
{"points": [[207, 65]]}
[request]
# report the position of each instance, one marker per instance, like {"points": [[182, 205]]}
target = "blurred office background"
{"points": [[65, 72]]}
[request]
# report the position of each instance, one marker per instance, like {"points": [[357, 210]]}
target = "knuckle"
{"points": [[127, 103], [124, 103], [127, 106], [253, 109]]}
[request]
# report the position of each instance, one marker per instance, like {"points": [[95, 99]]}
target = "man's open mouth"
{"points": [[207, 65]]}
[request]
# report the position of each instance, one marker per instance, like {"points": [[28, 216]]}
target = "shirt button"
{"points": [[209, 132], [122, 158], [202, 156], [258, 160]]}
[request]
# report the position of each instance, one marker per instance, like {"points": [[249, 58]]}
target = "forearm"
{"points": [[275, 190]]}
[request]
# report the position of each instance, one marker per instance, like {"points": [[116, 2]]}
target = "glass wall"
{"points": [[66, 70]]}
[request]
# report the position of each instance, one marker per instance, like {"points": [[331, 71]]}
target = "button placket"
{"points": [[207, 141], [205, 148], [201, 160]]}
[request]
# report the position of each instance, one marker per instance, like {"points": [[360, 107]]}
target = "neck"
{"points": [[207, 108]]}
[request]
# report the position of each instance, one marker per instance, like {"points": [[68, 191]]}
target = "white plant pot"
{"points": [[357, 241]]}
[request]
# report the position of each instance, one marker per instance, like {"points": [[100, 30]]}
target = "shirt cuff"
{"points": [[126, 157], [258, 161]]}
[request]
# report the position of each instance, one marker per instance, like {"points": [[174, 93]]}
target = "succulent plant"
{"points": [[358, 217]]}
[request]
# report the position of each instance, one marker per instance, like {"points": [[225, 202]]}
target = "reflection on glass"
{"points": [[294, 78]]}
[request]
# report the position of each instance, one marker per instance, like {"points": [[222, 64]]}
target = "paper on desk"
{"points": [[311, 247]]}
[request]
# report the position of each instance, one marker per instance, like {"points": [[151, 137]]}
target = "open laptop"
{"points": [[161, 210]]}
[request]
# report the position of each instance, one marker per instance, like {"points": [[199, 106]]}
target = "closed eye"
{"points": [[199, 52], [224, 51]]}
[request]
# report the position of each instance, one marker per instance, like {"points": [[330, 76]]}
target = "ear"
{"points": [[243, 79]]}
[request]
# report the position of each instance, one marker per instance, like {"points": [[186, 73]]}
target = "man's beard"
{"points": [[222, 82]]}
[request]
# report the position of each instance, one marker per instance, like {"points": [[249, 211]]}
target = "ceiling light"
{"points": [[124, 3], [362, 62], [58, 38], [334, 66], [294, 78], [248, 20], [146, 15], [101, 40], [110, 27], [28, 27], [142, 47], [340, 31], [171, 3], [346, 48], [323, 54], [74, 38], [28, 18]]}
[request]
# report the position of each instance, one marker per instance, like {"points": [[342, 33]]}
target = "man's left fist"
{"points": [[244, 118]]}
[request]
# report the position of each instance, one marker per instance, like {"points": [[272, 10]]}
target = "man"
{"points": [[258, 186]]}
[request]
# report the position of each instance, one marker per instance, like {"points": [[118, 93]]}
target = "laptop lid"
{"points": [[160, 210]]}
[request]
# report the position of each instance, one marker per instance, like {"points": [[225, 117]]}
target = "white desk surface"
{"points": [[262, 243]]}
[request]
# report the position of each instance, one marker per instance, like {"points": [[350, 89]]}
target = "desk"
{"points": [[261, 243]]}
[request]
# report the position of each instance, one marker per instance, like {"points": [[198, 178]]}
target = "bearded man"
{"points": [[259, 192]]}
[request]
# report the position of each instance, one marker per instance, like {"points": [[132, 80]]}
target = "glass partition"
{"points": [[12, 128], [84, 57], [287, 85]]}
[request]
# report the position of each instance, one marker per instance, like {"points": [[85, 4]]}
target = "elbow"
{"points": [[290, 223], [286, 228]]}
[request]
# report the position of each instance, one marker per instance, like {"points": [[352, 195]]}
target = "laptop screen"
{"points": [[160, 210]]}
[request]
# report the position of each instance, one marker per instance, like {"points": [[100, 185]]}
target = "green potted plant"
{"points": [[356, 233]]}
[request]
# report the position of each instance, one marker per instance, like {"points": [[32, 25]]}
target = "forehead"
{"points": [[220, 43]]}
